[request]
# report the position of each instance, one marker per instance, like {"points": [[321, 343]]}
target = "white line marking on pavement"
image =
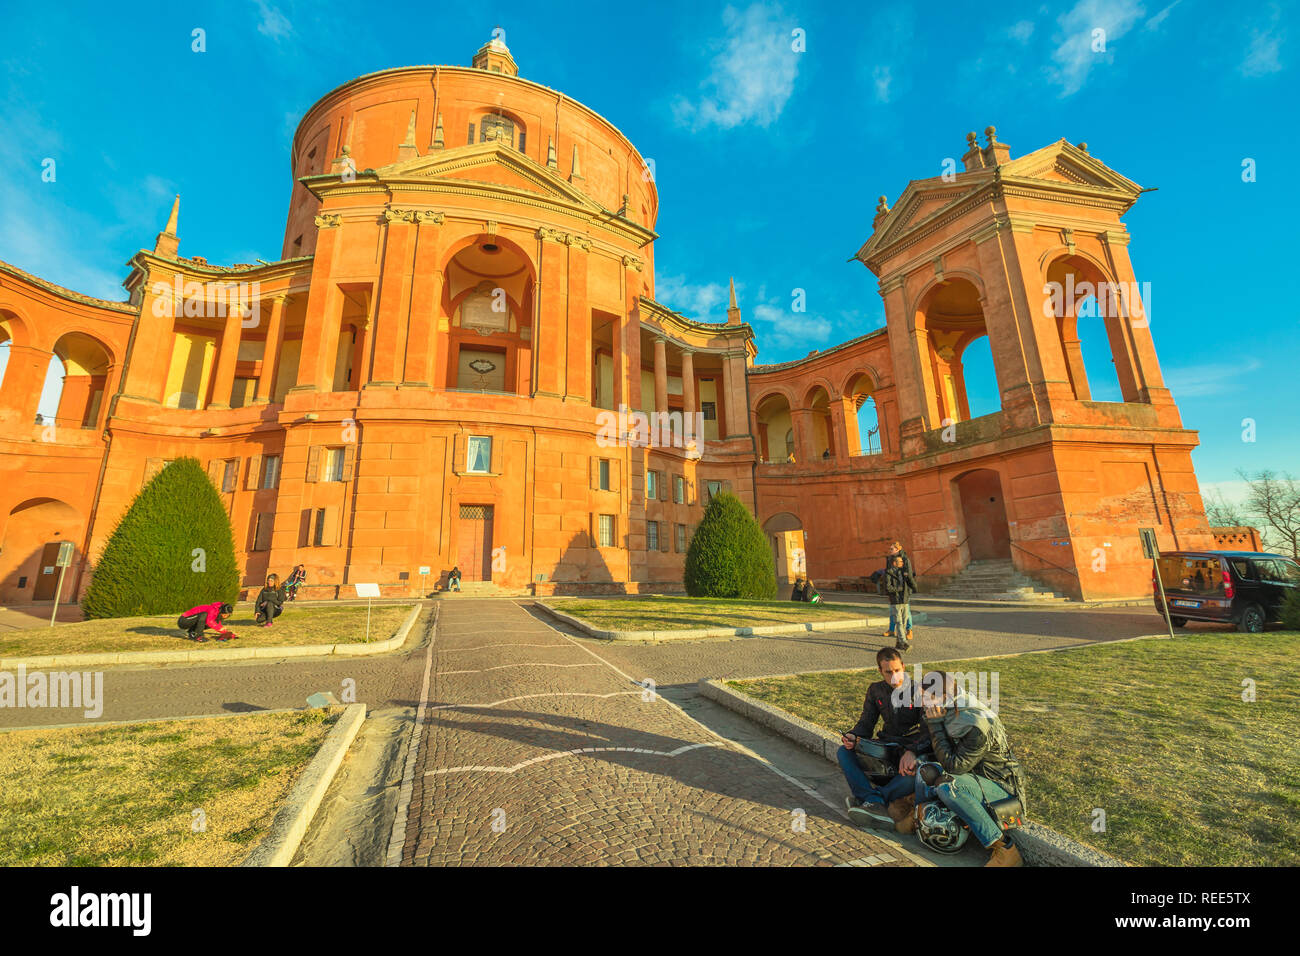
{"points": [[581, 750], [745, 750], [525, 664], [484, 647], [397, 839], [508, 700]]}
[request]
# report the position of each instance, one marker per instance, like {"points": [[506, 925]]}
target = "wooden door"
{"points": [[47, 574], [474, 548]]}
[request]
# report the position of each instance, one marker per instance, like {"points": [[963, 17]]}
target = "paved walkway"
{"points": [[538, 749], [558, 734]]}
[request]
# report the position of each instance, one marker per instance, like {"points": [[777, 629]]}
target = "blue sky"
{"points": [[768, 161]]}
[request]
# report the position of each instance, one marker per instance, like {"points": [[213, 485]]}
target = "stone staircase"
{"points": [[482, 589], [996, 580]]}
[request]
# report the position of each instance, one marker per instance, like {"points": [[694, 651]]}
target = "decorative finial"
{"points": [[175, 215], [882, 205], [972, 139], [1083, 146], [410, 131], [992, 133], [732, 303], [437, 133]]}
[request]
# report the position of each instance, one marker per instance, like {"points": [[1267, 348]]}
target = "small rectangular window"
{"points": [[334, 464], [714, 489], [319, 535], [271, 471], [231, 474], [478, 455], [471, 134], [652, 535], [679, 489], [606, 531], [652, 485], [604, 474], [681, 537], [522, 139], [710, 411], [262, 531]]}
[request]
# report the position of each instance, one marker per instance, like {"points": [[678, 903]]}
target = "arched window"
{"points": [[494, 126]]}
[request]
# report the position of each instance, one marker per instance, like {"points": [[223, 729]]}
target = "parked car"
{"points": [[1245, 588]]}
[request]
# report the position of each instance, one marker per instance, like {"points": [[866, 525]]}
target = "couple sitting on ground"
{"points": [[937, 743]]}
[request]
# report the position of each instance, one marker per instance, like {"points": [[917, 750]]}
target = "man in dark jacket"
{"points": [[890, 703], [896, 550], [900, 586], [978, 765]]}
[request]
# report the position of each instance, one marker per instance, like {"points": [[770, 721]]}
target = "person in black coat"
{"points": [[270, 601], [900, 586]]}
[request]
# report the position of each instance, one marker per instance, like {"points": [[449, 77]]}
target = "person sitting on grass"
{"points": [[198, 619], [889, 702], [900, 586], [973, 764], [270, 601]]}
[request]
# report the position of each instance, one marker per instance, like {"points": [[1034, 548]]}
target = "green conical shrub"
{"points": [[729, 556], [172, 550]]}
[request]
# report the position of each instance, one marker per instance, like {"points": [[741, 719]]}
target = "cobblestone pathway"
{"points": [[537, 750]]}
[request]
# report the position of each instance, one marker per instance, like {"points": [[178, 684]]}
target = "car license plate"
{"points": [[1187, 604]]}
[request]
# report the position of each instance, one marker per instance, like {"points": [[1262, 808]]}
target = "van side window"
{"points": [[1244, 569]]}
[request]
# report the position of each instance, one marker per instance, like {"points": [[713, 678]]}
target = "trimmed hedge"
{"points": [[729, 556], [152, 565]]}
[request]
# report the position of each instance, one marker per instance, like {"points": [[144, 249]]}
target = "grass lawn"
{"points": [[297, 625], [1153, 732], [125, 795], [664, 613]]}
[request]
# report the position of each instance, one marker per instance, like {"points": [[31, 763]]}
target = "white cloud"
{"points": [[883, 77], [1155, 22], [1198, 381], [1084, 29], [695, 301], [778, 329], [1263, 54], [1021, 31], [272, 23], [753, 76]]}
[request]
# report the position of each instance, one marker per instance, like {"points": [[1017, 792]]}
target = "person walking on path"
{"points": [[198, 619], [270, 601], [896, 550], [900, 586]]}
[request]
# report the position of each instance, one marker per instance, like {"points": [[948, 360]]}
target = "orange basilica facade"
{"points": [[459, 361]]}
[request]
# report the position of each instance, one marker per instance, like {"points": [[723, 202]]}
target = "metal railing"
{"points": [[945, 555], [1044, 560]]}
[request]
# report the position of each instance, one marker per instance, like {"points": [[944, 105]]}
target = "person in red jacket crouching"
{"points": [[198, 619]]}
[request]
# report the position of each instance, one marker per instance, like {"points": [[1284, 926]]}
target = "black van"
{"points": [[1245, 588]]}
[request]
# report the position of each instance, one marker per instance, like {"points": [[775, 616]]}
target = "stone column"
{"points": [[223, 379], [846, 440], [551, 329], [390, 327], [271, 355], [688, 382], [578, 359], [320, 336], [733, 384], [1133, 327], [1074, 359], [151, 348], [20, 395], [422, 330], [627, 339], [661, 374]]}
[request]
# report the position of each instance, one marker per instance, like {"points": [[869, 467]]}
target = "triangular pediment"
{"points": [[1062, 162], [491, 165], [927, 200]]}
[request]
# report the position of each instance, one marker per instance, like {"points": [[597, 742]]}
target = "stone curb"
{"points": [[1040, 845], [290, 825], [218, 655], [978, 602], [695, 634]]}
